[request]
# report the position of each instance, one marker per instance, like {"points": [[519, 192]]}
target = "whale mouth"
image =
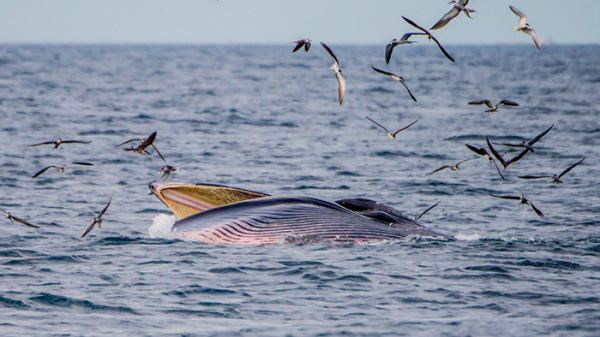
{"points": [[188, 199]]}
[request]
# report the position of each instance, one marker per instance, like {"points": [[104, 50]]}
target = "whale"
{"points": [[224, 214]]}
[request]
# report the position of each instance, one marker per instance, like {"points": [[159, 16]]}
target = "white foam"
{"points": [[468, 237], [161, 226]]}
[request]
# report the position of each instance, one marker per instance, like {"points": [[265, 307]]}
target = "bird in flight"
{"points": [[452, 167], [97, 220], [302, 43], [459, 6], [528, 144], [522, 201], [166, 172], [142, 147], [338, 74], [396, 78], [59, 142], [505, 163], [429, 37], [555, 178], [392, 135], [523, 26], [403, 40], [483, 152], [417, 217], [493, 108], [61, 169], [14, 218]]}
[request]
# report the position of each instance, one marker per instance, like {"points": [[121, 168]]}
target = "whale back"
{"points": [[276, 220]]}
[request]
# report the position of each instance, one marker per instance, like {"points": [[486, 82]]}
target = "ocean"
{"points": [[264, 119]]}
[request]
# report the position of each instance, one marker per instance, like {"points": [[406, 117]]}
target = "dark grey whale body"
{"points": [[273, 220]]}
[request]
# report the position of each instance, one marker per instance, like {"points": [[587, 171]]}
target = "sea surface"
{"points": [[264, 119]]}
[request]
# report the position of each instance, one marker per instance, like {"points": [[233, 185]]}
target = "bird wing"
{"points": [[341, 87], [381, 126], [330, 53], [463, 2], [479, 151], [538, 137], [42, 171], [148, 141], [307, 46], [160, 155], [464, 161], [510, 197], [533, 35], [24, 222], [82, 163], [483, 101], [516, 158], [495, 153], [383, 72], [410, 93], [410, 22], [446, 18], [534, 177], [404, 128], [299, 44], [518, 13], [570, 168], [441, 168], [164, 177], [427, 210], [75, 141], [442, 48], [508, 102], [105, 208], [497, 169], [44, 143], [89, 229], [131, 140], [3, 211], [537, 211], [388, 52]]}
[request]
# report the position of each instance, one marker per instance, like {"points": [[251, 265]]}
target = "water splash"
{"points": [[161, 226]]}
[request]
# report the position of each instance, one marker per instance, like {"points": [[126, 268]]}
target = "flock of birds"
{"points": [[165, 171], [490, 153]]}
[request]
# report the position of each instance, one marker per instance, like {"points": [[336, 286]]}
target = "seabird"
{"points": [[522, 201], [14, 218], [392, 135], [403, 40], [483, 152], [555, 178], [166, 172], [338, 74], [493, 108], [430, 37], [396, 78], [61, 169], [452, 167], [417, 217], [524, 26], [454, 12], [142, 147], [97, 220], [505, 163], [59, 141], [528, 144], [300, 43]]}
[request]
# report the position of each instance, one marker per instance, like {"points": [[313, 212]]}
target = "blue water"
{"points": [[264, 119]]}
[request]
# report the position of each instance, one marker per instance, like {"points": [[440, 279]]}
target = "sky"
{"points": [[361, 22]]}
